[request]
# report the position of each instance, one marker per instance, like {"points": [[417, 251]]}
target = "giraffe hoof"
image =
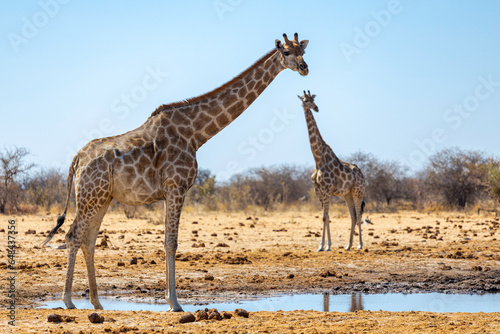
{"points": [[98, 307], [320, 249], [70, 306], [348, 247], [360, 247], [172, 309]]}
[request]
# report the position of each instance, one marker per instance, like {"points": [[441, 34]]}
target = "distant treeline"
{"points": [[451, 179]]}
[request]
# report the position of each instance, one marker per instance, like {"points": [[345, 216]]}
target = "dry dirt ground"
{"points": [[228, 256]]}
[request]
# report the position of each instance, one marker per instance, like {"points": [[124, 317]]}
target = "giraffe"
{"points": [[157, 161], [333, 177]]}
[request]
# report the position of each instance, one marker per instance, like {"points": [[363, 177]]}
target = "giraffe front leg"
{"points": [[173, 208]]}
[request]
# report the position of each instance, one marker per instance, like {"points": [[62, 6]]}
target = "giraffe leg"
{"points": [[359, 213], [90, 198], [326, 221], [352, 211], [73, 241], [88, 248], [173, 208]]}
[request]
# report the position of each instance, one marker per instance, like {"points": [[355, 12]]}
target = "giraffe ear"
{"points": [[304, 43], [313, 96], [278, 45], [300, 97]]}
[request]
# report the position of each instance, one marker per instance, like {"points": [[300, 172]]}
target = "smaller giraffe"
{"points": [[333, 177]]}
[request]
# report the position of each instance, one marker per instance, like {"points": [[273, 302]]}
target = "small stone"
{"points": [[201, 315], [189, 317], [209, 277], [327, 273], [291, 276], [120, 264], [54, 318], [133, 261], [153, 262], [96, 318], [241, 313]]}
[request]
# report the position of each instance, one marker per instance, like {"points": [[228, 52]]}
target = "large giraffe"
{"points": [[333, 177], [157, 161]]}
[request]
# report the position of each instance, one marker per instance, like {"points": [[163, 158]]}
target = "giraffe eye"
{"points": [[286, 53]]}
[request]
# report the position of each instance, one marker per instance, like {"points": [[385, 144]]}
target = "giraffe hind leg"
{"points": [[352, 211], [326, 222], [88, 248], [359, 213]]}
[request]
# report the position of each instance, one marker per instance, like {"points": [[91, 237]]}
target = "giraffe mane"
{"points": [[216, 90]]}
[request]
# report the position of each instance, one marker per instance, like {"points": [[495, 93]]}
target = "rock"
{"points": [[201, 315], [59, 318], [189, 317], [54, 318], [241, 313], [61, 246], [291, 276], [153, 262], [133, 261], [120, 264], [327, 273], [214, 315], [226, 315], [96, 318], [209, 277]]}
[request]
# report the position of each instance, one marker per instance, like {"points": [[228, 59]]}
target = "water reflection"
{"points": [[356, 302]]}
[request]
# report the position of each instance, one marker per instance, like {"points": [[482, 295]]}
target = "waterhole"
{"points": [[396, 302]]}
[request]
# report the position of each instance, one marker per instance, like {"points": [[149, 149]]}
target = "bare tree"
{"points": [[12, 167], [456, 175], [46, 188], [386, 181], [493, 178]]}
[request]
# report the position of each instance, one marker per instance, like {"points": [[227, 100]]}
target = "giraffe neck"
{"points": [[206, 115], [219, 110], [318, 146]]}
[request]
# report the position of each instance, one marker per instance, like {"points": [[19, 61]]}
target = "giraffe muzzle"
{"points": [[303, 68]]}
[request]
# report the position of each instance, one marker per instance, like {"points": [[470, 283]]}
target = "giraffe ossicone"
{"points": [[157, 161], [333, 177]]}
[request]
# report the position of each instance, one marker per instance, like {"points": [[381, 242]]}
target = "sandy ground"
{"points": [[228, 256]]}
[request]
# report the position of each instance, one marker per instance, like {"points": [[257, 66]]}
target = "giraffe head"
{"points": [[308, 101], [292, 52]]}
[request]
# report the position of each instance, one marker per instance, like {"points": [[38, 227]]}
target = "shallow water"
{"points": [[432, 302]]}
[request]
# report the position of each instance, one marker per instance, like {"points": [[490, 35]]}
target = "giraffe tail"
{"points": [[366, 220], [61, 218]]}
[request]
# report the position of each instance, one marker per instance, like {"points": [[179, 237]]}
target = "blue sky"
{"points": [[398, 79]]}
